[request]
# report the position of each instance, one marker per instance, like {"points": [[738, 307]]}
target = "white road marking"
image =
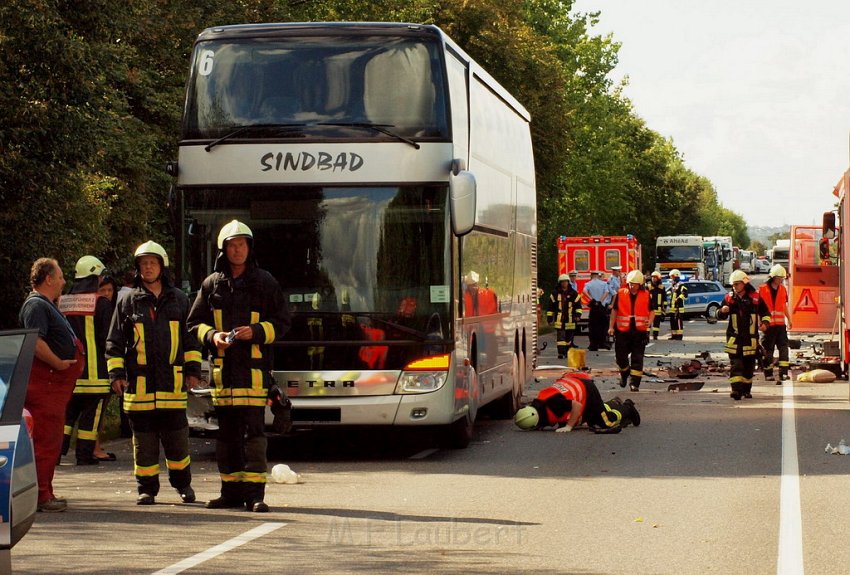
{"points": [[229, 545], [424, 453], [790, 559]]}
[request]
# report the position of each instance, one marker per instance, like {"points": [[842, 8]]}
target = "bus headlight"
{"points": [[421, 381]]}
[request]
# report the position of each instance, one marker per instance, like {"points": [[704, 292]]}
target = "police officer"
{"points": [[774, 298], [564, 312], [90, 317], [239, 311], [596, 294], [572, 400], [631, 317], [152, 360], [741, 306], [678, 295], [658, 302]]}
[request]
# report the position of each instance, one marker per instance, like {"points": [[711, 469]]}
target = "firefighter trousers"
{"points": [[656, 323], [629, 348], [170, 428], [240, 451], [597, 326], [677, 325], [741, 369], [565, 341], [776, 337], [85, 410]]}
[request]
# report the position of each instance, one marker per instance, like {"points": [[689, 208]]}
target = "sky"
{"points": [[755, 94]]}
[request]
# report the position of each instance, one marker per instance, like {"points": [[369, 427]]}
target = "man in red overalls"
{"points": [[56, 367]]}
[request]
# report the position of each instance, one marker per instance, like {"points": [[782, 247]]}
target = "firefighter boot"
{"points": [[736, 392], [746, 390], [630, 413], [187, 494]]}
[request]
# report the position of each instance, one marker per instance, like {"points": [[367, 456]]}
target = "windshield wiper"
{"points": [[242, 129], [382, 128]]}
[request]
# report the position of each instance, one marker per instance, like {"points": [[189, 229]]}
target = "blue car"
{"points": [[704, 297], [18, 487]]}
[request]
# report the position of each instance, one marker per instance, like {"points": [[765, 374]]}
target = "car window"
{"points": [[10, 349], [712, 287], [695, 288]]}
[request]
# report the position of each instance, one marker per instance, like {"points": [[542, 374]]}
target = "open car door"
{"points": [[18, 486]]}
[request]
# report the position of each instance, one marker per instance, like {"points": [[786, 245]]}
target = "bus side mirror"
{"points": [[828, 225], [462, 201]]}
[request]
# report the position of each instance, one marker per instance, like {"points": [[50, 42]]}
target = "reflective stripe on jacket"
{"points": [[241, 375], [149, 346], [742, 331], [564, 308], [678, 295], [625, 313]]}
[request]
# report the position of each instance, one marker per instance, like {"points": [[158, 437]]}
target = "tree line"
{"points": [[90, 106]]}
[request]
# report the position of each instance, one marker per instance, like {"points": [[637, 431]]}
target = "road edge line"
{"points": [[790, 552]]}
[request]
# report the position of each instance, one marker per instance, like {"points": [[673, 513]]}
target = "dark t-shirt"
{"points": [[39, 313]]}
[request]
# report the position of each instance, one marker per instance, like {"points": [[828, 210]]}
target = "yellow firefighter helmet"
{"points": [[527, 418], [88, 266]]}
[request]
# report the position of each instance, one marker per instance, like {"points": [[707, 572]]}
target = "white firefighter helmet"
{"points": [[151, 248], [563, 278], [88, 266], [675, 273], [655, 274], [635, 277], [777, 271], [527, 418], [232, 230], [738, 276]]}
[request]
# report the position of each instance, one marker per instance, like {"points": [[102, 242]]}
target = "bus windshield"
{"points": [[317, 86], [678, 254], [355, 263]]}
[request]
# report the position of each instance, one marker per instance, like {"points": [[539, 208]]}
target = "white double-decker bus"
{"points": [[389, 184]]}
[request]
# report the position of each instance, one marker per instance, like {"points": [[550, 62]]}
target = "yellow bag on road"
{"points": [[817, 376]]}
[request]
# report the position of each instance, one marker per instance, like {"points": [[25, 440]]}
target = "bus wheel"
{"points": [[458, 434], [506, 406]]}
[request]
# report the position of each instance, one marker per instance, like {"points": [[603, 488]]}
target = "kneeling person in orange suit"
{"points": [[572, 400]]}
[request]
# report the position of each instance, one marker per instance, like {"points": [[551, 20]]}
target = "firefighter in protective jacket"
{"points": [[658, 302], [239, 311], [564, 312], [572, 400], [631, 317], [678, 295], [90, 317], [742, 306], [153, 361], [774, 298]]}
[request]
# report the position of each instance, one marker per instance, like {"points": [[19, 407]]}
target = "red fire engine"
{"points": [[598, 253]]}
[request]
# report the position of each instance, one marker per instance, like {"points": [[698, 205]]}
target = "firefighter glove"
{"points": [[281, 408]]}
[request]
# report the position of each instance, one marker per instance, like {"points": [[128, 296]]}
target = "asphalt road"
{"points": [[701, 486]]}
